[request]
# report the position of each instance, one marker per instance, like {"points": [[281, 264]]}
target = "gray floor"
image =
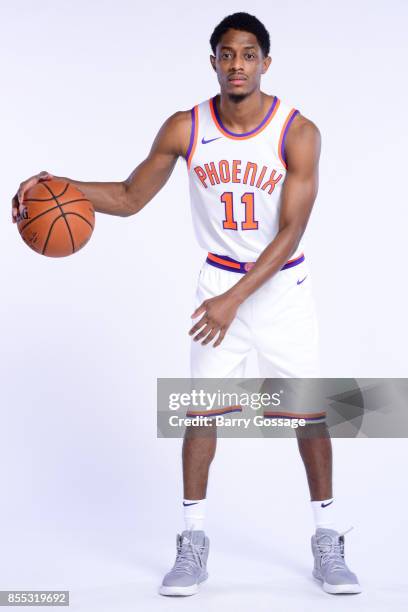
{"points": [[119, 571]]}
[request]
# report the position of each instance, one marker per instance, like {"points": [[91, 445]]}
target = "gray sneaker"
{"points": [[190, 567], [329, 565]]}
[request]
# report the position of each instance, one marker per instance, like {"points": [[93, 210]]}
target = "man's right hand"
{"points": [[17, 201]]}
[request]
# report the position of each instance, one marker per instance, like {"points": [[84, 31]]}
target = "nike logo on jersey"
{"points": [[299, 283], [325, 505], [192, 504], [203, 141]]}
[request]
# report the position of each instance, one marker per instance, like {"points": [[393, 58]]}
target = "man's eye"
{"points": [[250, 56], [225, 55]]}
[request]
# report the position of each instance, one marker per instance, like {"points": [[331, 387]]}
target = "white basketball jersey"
{"points": [[236, 181]]}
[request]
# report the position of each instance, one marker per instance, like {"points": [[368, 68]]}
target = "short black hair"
{"points": [[246, 23]]}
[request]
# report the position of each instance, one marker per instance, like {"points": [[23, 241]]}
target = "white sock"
{"points": [[194, 513], [323, 513]]}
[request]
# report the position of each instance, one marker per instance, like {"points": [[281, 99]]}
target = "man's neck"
{"points": [[244, 114]]}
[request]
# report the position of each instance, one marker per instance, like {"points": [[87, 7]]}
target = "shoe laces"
{"points": [[189, 555], [331, 549]]}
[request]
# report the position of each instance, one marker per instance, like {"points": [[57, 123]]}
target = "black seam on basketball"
{"points": [[78, 215], [59, 205], [47, 199], [49, 233], [63, 215]]}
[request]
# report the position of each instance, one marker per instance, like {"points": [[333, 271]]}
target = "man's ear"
{"points": [[266, 63], [212, 60]]}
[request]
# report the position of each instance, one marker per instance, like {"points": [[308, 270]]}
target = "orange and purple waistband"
{"points": [[227, 263]]}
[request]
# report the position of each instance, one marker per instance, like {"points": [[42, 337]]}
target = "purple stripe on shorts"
{"points": [[292, 416], [212, 414], [242, 264], [295, 262]]}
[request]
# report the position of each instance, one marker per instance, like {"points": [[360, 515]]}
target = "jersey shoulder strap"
{"points": [[201, 123], [278, 128]]}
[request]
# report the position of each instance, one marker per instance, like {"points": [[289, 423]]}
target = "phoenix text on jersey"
{"points": [[225, 171]]}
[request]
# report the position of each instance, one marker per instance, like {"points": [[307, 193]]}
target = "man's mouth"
{"points": [[237, 79]]}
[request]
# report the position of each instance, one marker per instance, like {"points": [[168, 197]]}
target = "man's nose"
{"points": [[237, 63]]}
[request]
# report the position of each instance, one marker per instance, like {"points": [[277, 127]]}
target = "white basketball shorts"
{"points": [[278, 320]]}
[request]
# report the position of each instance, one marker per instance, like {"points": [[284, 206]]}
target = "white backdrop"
{"points": [[91, 499]]}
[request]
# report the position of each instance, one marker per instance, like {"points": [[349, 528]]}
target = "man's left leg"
{"points": [[316, 451], [286, 329], [327, 544]]}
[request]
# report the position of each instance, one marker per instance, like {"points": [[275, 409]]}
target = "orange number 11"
{"points": [[248, 200]]}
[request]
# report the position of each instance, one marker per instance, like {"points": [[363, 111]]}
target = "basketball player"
{"points": [[252, 162]]}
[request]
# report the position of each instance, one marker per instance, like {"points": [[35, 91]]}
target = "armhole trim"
{"points": [[284, 131], [193, 136]]}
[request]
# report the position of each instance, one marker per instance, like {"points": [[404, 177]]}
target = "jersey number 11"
{"points": [[249, 202]]}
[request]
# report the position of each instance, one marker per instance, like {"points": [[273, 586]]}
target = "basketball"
{"points": [[57, 219]]}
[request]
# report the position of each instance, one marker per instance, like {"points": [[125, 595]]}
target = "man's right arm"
{"points": [[131, 195]]}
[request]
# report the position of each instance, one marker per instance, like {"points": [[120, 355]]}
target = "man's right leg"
{"points": [[199, 445], [206, 362]]}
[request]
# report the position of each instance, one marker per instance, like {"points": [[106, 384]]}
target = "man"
{"points": [[253, 169]]}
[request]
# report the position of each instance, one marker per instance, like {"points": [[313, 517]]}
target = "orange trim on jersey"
{"points": [[231, 264], [194, 143], [251, 134], [282, 134]]}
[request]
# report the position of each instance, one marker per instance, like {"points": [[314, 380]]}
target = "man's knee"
{"points": [[201, 431], [313, 430]]}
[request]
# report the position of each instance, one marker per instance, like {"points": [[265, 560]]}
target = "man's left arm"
{"points": [[302, 150]]}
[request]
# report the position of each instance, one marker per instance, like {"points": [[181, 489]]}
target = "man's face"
{"points": [[239, 63]]}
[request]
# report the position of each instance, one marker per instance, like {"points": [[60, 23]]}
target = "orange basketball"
{"points": [[58, 219]]}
